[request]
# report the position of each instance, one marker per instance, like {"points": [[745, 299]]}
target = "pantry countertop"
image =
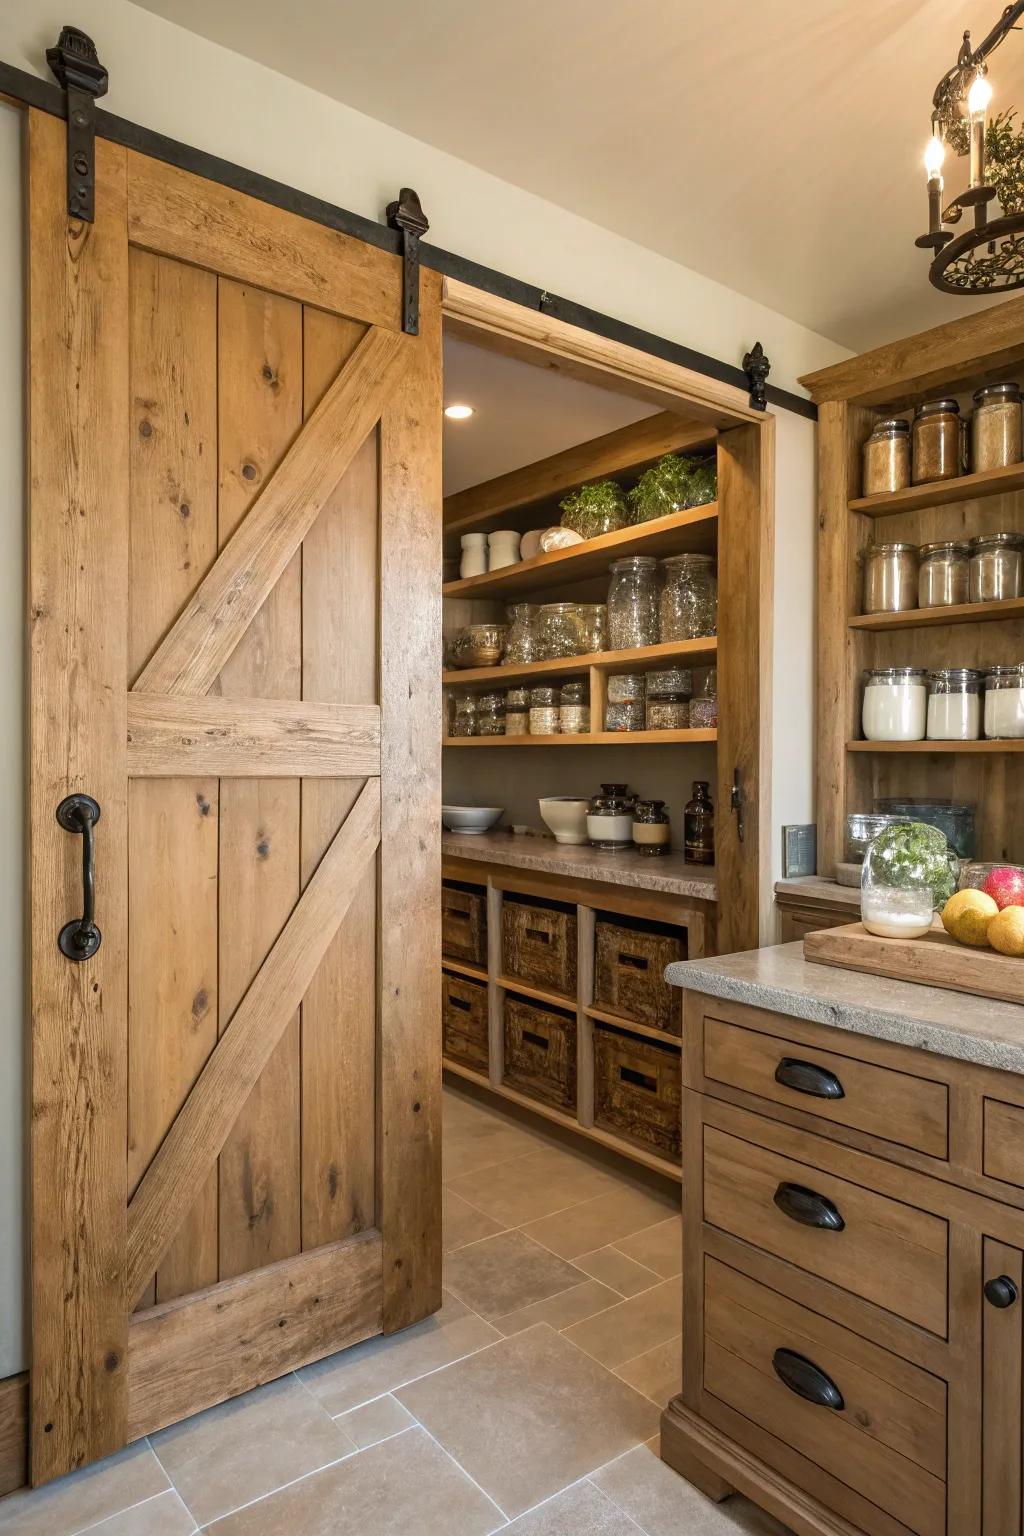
{"points": [[669, 873], [953, 1024]]}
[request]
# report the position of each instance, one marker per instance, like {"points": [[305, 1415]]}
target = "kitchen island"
{"points": [[853, 1196]]}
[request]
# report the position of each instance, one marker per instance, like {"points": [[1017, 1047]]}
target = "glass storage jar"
{"points": [[943, 575], [936, 441], [652, 831], [996, 427], [890, 578], [704, 703], [610, 818], [667, 712], [627, 716], [574, 708], [464, 721], [544, 712], [521, 645], [570, 629], [997, 567], [688, 604], [670, 680], [699, 826], [624, 687], [908, 871], [632, 603], [1004, 703], [886, 457], [954, 704], [895, 704], [517, 712], [955, 819], [490, 714]]}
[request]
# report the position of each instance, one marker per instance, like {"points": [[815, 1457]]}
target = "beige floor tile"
{"points": [[165, 1515], [462, 1223], [536, 1185], [247, 1447], [379, 1365], [633, 1327], [563, 1310], [507, 1272], [467, 1151], [69, 1505], [665, 1504], [659, 1248], [658, 1373], [375, 1421], [581, 1510], [613, 1268], [529, 1416], [405, 1486], [598, 1222]]}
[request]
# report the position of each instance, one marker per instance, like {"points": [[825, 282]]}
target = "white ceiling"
{"points": [[774, 147]]}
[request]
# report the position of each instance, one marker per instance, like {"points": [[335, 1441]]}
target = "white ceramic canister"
{"points": [[474, 554], [895, 704], [503, 548], [529, 546]]}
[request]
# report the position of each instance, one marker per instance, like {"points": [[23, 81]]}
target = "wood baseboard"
{"points": [[718, 1467], [13, 1432]]}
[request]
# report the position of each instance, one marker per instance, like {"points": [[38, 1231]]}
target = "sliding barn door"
{"points": [[235, 568]]}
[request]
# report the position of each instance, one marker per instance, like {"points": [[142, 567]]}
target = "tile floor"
{"points": [[528, 1404]]}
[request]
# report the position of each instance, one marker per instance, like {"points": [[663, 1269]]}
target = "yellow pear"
{"points": [[1006, 931], [967, 916]]}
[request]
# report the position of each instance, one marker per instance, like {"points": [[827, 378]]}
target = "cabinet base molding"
{"points": [[719, 1467]]}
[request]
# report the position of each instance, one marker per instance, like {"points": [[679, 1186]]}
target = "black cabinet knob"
{"points": [[808, 1208], [806, 1077], [1000, 1292], [806, 1379]]}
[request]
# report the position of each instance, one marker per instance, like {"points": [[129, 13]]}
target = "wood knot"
{"points": [[185, 510], [203, 804], [249, 471], [263, 848], [145, 429]]}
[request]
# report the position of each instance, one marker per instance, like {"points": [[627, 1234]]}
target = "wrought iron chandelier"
{"points": [[988, 258]]}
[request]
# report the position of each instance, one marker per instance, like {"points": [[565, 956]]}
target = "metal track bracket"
{"points": [[80, 74], [407, 215]]}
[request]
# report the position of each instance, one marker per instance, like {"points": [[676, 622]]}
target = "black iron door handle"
{"points": [[1001, 1291], [805, 1077], [806, 1379], [808, 1207], [80, 939]]}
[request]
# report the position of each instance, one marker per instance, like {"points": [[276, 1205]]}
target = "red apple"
{"points": [[1005, 884]]}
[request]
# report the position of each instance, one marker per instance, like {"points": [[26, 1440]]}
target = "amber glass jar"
{"points": [[699, 826], [936, 441], [886, 458]]}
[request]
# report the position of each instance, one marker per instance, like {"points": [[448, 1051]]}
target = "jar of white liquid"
{"points": [[896, 914], [954, 704], [1004, 703], [895, 704]]}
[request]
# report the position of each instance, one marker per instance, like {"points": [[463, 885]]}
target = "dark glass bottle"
{"points": [[699, 826]]}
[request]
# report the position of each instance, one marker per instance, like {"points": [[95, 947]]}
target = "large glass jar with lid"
{"points": [[632, 603], [895, 704], [689, 598], [936, 441], [521, 644], [1004, 703], [943, 576], [610, 818], [954, 704], [571, 629], [996, 427], [886, 457], [890, 577], [909, 870], [997, 567]]}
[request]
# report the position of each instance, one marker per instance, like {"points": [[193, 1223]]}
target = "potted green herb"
{"points": [[595, 509], [670, 485]]}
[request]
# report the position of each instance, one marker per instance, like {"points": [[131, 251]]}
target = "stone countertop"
{"points": [[814, 888], [668, 874], [953, 1024]]}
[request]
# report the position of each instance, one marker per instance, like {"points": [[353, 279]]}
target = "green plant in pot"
{"points": [[672, 484], [595, 509]]}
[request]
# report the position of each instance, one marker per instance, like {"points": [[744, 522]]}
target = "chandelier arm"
{"points": [[968, 62]]}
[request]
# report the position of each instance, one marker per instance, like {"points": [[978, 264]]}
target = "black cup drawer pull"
{"points": [[80, 939], [805, 1077], [1000, 1292], [806, 1379], [807, 1207]]}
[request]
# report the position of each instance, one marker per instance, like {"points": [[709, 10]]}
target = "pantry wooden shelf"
{"points": [[539, 994], [985, 747], [927, 618], [643, 658], [694, 529], [942, 493], [593, 739], [461, 968], [634, 1027]]}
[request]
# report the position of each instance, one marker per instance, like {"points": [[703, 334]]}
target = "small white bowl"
{"points": [[471, 818], [566, 816]]}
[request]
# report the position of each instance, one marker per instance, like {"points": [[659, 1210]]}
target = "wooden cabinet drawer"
{"points": [[878, 1248], [882, 1430], [1003, 1156], [895, 1106]]}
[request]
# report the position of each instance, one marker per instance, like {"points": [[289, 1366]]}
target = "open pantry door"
{"points": [[235, 610]]}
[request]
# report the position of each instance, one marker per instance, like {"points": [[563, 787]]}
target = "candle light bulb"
{"points": [[979, 95], [935, 153]]}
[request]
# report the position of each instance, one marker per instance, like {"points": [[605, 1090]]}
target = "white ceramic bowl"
{"points": [[566, 816], [471, 818]]}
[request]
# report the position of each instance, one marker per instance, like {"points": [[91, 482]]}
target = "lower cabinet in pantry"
{"points": [[637, 1090]]}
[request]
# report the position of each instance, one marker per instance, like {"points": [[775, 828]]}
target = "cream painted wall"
{"points": [[181, 85]]}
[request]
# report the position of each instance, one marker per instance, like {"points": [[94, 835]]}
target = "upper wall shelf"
{"points": [[695, 529], [691, 735], [644, 658], [482, 507], [941, 493], [945, 747], [929, 618]]}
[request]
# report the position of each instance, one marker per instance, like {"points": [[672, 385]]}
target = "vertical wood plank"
{"points": [[78, 556], [495, 994], [340, 606], [172, 934], [409, 1101], [1001, 1406], [586, 939], [259, 413]]}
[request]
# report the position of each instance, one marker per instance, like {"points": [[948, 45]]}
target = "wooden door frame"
{"points": [[746, 457]]}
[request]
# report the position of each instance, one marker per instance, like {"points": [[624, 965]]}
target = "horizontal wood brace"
{"points": [[171, 735]]}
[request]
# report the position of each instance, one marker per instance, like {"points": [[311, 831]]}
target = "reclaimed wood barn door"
{"points": [[235, 611]]}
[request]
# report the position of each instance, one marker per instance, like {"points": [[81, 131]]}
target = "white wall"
{"points": [[184, 86]]}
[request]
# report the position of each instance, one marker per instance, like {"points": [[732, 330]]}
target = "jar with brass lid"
{"points": [[886, 457], [936, 451], [996, 427], [943, 575], [890, 577]]}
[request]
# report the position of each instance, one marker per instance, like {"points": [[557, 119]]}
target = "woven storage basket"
{"points": [[464, 924], [540, 1053], [638, 1090], [538, 945], [629, 975], [464, 1018]]}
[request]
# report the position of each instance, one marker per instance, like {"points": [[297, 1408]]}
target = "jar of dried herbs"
{"points": [[886, 458], [464, 720], [574, 708], [517, 712], [996, 427], [633, 603], [544, 718], [490, 714], [689, 598], [521, 644], [626, 716], [943, 575], [704, 704], [936, 441]]}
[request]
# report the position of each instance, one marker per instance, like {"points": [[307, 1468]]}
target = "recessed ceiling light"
{"points": [[458, 412]]}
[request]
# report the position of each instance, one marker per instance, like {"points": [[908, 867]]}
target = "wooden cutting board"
{"points": [[933, 961]]}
